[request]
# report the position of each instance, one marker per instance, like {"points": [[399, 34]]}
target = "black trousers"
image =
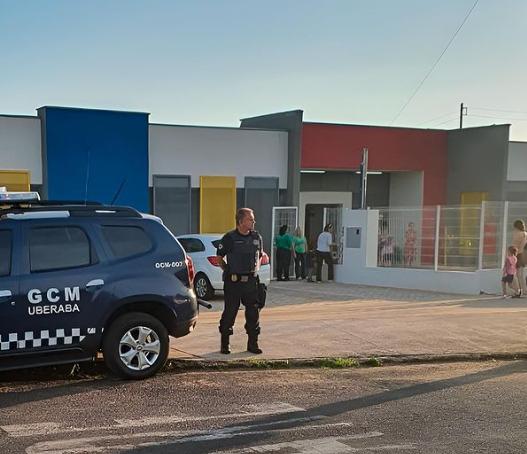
{"points": [[236, 293], [326, 257], [283, 261], [300, 265]]}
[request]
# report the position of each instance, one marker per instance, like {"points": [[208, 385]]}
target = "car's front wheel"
{"points": [[136, 346], [203, 287]]}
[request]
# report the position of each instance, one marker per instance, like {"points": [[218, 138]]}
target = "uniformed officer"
{"points": [[243, 249]]}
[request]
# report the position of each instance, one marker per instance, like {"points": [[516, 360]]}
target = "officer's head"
{"points": [[245, 218]]}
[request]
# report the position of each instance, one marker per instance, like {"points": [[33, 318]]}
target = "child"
{"points": [[509, 272]]}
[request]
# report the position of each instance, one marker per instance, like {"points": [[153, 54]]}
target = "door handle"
{"points": [[95, 284], [5, 296]]}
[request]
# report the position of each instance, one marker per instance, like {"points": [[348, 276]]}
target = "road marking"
{"points": [[51, 428], [326, 445], [104, 443]]}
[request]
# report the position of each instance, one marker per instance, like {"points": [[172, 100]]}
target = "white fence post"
{"points": [[481, 235], [436, 245], [504, 232]]}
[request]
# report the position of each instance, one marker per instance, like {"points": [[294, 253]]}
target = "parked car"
{"points": [[78, 278], [208, 280]]}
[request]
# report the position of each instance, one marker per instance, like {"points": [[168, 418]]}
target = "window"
{"points": [[126, 241], [5, 252], [53, 248], [191, 244]]}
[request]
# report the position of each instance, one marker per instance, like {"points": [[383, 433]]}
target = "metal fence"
{"points": [[464, 238]]}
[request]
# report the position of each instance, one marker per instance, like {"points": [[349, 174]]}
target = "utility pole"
{"points": [[363, 178], [463, 111]]}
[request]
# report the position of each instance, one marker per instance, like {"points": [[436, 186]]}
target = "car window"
{"points": [[5, 252], [126, 241], [53, 248], [192, 245]]}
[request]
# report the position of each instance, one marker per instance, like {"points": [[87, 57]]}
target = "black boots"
{"points": [[225, 347], [252, 345]]}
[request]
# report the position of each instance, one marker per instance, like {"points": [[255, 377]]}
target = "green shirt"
{"points": [[283, 241], [300, 244]]}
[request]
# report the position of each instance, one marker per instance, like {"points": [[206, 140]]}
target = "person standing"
{"points": [[242, 248], [509, 271], [519, 241], [324, 242], [300, 245], [410, 238], [284, 248]]}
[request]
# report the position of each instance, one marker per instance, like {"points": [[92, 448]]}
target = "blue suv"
{"points": [[77, 279]]}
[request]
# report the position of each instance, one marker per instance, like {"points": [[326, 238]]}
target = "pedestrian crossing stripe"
{"points": [[44, 338]]}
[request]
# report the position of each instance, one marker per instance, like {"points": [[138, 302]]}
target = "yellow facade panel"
{"points": [[15, 180], [217, 204]]}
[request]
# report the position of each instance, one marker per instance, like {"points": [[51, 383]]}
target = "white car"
{"points": [[208, 278]]}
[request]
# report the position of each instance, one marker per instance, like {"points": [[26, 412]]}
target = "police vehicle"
{"points": [[79, 278]]}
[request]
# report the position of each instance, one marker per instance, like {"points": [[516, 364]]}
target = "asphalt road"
{"points": [[450, 408]]}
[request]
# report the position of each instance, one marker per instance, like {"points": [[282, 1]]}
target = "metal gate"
{"points": [[281, 216], [334, 216]]}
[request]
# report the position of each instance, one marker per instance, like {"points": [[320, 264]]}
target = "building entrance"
{"points": [[314, 220]]}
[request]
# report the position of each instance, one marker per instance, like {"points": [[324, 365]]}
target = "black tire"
{"points": [[202, 287], [139, 366]]}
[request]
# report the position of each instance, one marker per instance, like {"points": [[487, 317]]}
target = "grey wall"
{"points": [[377, 195], [477, 162], [291, 122]]}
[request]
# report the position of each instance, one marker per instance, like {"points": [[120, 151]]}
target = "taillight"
{"points": [[190, 269], [265, 259], [214, 260]]}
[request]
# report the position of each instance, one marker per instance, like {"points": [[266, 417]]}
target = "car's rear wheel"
{"points": [[203, 287], [136, 346]]}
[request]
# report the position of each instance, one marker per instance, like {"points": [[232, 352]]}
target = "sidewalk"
{"points": [[303, 320]]}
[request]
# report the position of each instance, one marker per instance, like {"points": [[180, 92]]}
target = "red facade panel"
{"points": [[339, 147]]}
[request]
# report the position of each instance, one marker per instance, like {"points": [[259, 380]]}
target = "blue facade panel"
{"points": [[95, 155]]}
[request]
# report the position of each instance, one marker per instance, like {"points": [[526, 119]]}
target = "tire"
{"points": [[128, 332], [202, 287]]}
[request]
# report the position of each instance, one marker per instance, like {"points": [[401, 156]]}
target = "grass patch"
{"points": [[372, 361], [338, 363]]}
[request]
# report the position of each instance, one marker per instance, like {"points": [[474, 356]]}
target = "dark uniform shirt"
{"points": [[242, 251]]}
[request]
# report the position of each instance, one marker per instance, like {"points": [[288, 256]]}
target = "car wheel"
{"points": [[203, 287], [135, 346]]}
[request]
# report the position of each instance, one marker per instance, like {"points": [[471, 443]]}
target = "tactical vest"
{"points": [[243, 259]]}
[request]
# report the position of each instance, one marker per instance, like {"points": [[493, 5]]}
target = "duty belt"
{"points": [[242, 277]]}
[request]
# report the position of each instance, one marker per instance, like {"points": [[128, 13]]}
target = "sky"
{"points": [[214, 62]]}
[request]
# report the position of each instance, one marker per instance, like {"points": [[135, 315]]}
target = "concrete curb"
{"points": [[97, 369], [337, 362]]}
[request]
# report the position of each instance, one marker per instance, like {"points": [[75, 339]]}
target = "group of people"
{"points": [[308, 258], [387, 252], [513, 278]]}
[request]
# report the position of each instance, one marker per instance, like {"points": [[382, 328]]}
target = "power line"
{"points": [[435, 64], [436, 118], [499, 118], [499, 110], [447, 121]]}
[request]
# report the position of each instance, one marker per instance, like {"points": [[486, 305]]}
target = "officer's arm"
{"points": [[223, 249], [221, 262]]}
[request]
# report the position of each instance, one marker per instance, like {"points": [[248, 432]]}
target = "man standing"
{"points": [[242, 248], [324, 242]]}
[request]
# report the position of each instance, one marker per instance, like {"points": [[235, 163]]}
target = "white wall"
{"points": [[406, 189], [322, 198], [20, 145], [517, 162], [359, 266], [197, 151]]}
